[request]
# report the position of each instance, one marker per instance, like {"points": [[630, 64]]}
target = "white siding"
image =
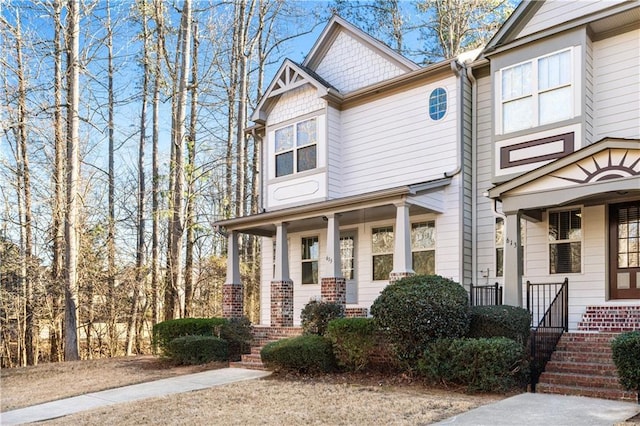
{"points": [[557, 12], [585, 288], [485, 219], [588, 93], [266, 274], [392, 141], [617, 86], [334, 160], [349, 65]]}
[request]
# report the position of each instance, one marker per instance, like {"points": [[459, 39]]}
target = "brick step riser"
{"points": [[581, 380], [609, 329], [608, 370], [584, 346], [588, 392], [565, 356]]}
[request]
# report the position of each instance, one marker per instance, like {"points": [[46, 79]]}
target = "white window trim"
{"points": [[435, 243], [373, 254], [446, 104], [535, 93], [555, 242], [320, 138], [303, 260]]}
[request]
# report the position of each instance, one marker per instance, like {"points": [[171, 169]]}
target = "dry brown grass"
{"points": [[274, 401]]}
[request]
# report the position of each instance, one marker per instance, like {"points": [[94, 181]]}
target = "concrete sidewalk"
{"points": [[538, 409], [178, 384]]}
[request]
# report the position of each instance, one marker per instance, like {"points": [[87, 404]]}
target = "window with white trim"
{"points": [[382, 249], [437, 103], [296, 147], [310, 254], [423, 247], [565, 241], [537, 92]]}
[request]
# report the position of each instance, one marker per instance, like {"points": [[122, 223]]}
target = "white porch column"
{"points": [[402, 262], [512, 261], [282, 253], [333, 267]]}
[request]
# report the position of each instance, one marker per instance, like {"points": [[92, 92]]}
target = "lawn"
{"points": [[333, 399]]}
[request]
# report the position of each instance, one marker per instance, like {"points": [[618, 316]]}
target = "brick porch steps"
{"points": [[261, 336], [582, 365], [610, 319]]}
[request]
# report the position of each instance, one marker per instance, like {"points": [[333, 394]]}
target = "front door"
{"points": [[348, 261], [624, 250]]}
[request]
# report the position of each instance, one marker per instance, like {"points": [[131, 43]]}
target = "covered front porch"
{"points": [[325, 250], [577, 217]]}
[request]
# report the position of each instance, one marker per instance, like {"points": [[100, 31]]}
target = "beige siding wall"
{"points": [[395, 133], [617, 86], [559, 11], [349, 65]]}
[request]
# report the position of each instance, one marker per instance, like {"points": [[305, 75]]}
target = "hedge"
{"points": [[302, 354], [484, 365], [500, 321], [165, 331], [354, 341], [198, 349], [315, 316], [626, 357]]}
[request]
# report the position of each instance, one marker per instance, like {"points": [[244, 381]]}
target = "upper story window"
{"points": [[296, 147], [565, 241], [437, 103], [537, 92], [423, 247]]}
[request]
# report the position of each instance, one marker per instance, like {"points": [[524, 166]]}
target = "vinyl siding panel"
{"points": [[588, 93], [617, 86], [334, 149], [553, 13], [394, 134], [485, 219]]}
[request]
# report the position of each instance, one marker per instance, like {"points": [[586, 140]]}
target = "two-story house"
{"points": [[557, 156], [366, 177]]}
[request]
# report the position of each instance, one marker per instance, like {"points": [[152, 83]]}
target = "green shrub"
{"points": [[354, 340], [197, 349], [316, 315], [237, 332], [626, 356], [419, 309], [500, 321], [164, 332], [485, 365], [303, 354]]}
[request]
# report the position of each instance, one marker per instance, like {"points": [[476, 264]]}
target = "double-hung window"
{"points": [[565, 241], [296, 147], [537, 92], [423, 247], [382, 249], [310, 254]]}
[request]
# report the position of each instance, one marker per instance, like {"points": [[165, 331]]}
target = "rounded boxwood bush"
{"points": [[482, 365], [197, 349], [354, 340], [302, 354], [626, 357], [315, 316], [416, 310], [237, 332], [500, 321]]}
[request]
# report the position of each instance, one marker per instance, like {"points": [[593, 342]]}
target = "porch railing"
{"points": [[548, 304], [483, 295]]}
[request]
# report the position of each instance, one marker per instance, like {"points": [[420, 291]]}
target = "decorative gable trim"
{"points": [[290, 76]]}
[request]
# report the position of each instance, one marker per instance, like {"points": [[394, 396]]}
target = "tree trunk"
{"points": [[71, 217], [191, 195]]}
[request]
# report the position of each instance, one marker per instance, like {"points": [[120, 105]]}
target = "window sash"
{"points": [[382, 245], [565, 241], [310, 254], [296, 151]]}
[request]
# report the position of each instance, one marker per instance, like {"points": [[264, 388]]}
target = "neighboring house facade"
{"points": [[557, 139], [522, 164], [366, 177]]}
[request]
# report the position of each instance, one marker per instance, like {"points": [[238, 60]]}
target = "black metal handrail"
{"points": [[484, 295], [548, 304]]}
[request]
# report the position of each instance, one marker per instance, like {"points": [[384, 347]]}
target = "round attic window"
{"points": [[437, 103]]}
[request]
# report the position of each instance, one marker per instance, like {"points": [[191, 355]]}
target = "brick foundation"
{"points": [[282, 303], [395, 276], [356, 312], [232, 301], [333, 290]]}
